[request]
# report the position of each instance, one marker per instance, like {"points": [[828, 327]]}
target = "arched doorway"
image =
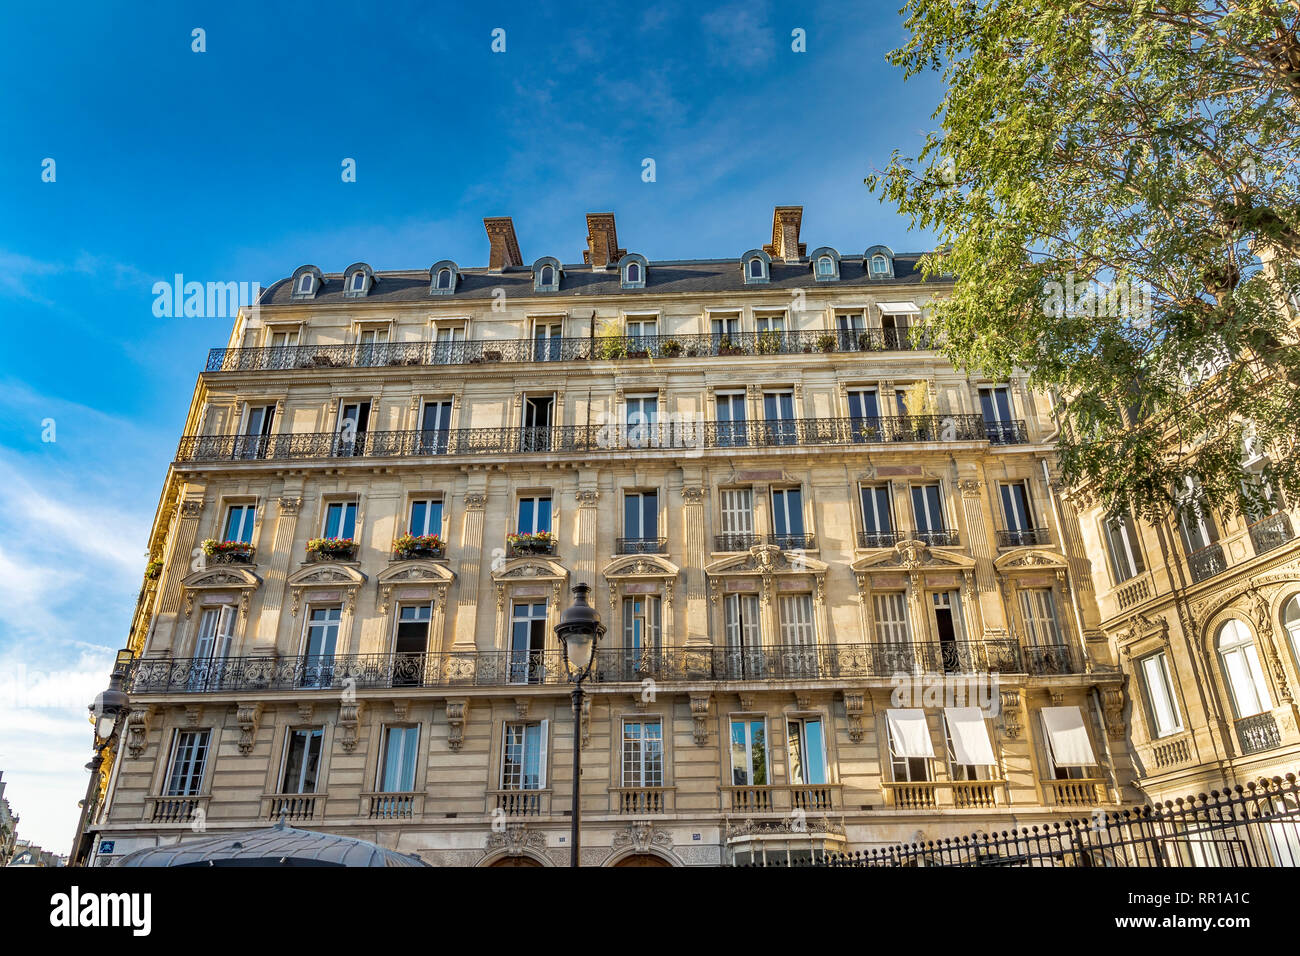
{"points": [[642, 859], [515, 861]]}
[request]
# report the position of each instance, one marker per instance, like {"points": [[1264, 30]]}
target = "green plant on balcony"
{"points": [[418, 545], [153, 570], [331, 548], [671, 348], [726, 347], [769, 343], [826, 343], [534, 542], [227, 550]]}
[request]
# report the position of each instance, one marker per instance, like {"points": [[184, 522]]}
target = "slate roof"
{"points": [[280, 845], [675, 276]]}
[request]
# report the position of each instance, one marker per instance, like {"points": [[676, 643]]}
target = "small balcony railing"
{"points": [[522, 549], [819, 798], [1076, 793], [167, 809], [937, 539], [1271, 532], [571, 349], [642, 546], [1006, 433], [233, 556], [392, 805], [684, 435], [879, 539], [792, 542], [520, 803], [1258, 733], [1023, 538], [641, 800], [1048, 659], [330, 673], [929, 794], [292, 806], [1207, 562], [735, 541], [418, 552]]}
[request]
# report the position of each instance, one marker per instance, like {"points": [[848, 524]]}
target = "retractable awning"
{"points": [[969, 735], [1067, 737], [909, 732]]}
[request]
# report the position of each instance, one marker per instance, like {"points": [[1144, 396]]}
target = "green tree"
{"points": [[1114, 185]]}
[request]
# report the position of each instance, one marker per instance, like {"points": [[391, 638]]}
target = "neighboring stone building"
{"points": [[8, 826], [781, 499]]}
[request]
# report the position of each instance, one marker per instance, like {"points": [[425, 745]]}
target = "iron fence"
{"points": [[1254, 825]]}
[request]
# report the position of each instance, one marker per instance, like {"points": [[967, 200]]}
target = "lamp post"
{"points": [[579, 631], [109, 709]]}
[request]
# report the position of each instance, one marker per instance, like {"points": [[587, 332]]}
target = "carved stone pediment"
{"points": [[540, 568], [417, 572], [345, 577], [223, 578], [641, 565], [1028, 559], [766, 559], [912, 555]]}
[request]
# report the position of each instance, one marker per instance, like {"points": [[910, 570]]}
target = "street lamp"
{"points": [[579, 631], [108, 709]]}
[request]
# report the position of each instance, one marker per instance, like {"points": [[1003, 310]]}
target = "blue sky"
{"points": [[225, 166]]}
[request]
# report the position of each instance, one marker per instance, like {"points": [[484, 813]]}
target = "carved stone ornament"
{"points": [[349, 721], [457, 716], [641, 836], [341, 576], [586, 721], [193, 714], [475, 502], [289, 505], [970, 487], [693, 496], [1112, 705], [1011, 714], [516, 840], [191, 507], [700, 716], [137, 730], [854, 707], [248, 716], [587, 499]]}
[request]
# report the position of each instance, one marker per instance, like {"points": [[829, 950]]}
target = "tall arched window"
{"points": [[634, 272], [444, 279], [548, 275], [1241, 665], [1291, 621], [756, 268]]}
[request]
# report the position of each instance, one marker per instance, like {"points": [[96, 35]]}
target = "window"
{"points": [[281, 339], [358, 281], [723, 327], [523, 756], [633, 272], [426, 517], [879, 266], [1291, 621], [305, 283], [641, 328], [950, 628], [445, 342], [547, 339], [770, 323], [970, 754], [302, 751], [796, 616], [548, 275], [877, 525], [528, 643], [1246, 679], [778, 413], [787, 518], [257, 431], [731, 419], [239, 523], [737, 519], [1122, 547], [1017, 514], [1162, 705], [894, 331], [851, 330], [742, 624], [534, 515], [1194, 519], [397, 768], [826, 264], [319, 643], [1069, 749], [354, 418], [755, 269], [212, 646], [640, 633], [188, 760], [1038, 605], [641, 517], [539, 411], [642, 415], [806, 750], [890, 617], [910, 747], [643, 753], [411, 643], [927, 512], [444, 279], [748, 752], [435, 427], [825, 267], [864, 414], [995, 404], [340, 520]]}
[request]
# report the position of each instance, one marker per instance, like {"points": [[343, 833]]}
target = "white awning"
{"points": [[1067, 737], [894, 308], [909, 732], [970, 736]]}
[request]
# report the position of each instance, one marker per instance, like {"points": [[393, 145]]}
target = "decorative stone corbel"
{"points": [[290, 505], [700, 715], [306, 711], [193, 714], [746, 701], [400, 708], [1011, 714], [521, 707], [248, 716], [855, 705], [137, 729], [1058, 697], [457, 717], [803, 699], [349, 722], [1112, 705]]}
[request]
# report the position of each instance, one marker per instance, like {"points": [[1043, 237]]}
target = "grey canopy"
{"points": [[280, 845]]}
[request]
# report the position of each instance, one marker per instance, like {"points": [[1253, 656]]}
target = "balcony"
{"points": [[879, 539], [1047, 659], [929, 794], [674, 435], [642, 546], [1132, 593], [1006, 433], [1271, 532], [574, 349], [392, 806], [410, 547], [1024, 538], [291, 806], [1207, 562], [792, 542], [1076, 793], [735, 541], [937, 539], [520, 803], [782, 798], [639, 801], [328, 674], [176, 809], [524, 545], [1258, 733]]}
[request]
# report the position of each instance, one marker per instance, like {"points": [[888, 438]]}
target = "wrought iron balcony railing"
{"points": [[1046, 659], [1023, 537], [1271, 532], [522, 549], [1258, 733], [879, 539], [1011, 432], [581, 438], [937, 539], [602, 348], [1207, 562], [792, 542], [735, 541], [642, 545], [612, 665]]}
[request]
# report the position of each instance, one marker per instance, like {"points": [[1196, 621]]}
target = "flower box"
{"points": [[540, 542], [331, 549], [233, 552], [418, 546]]}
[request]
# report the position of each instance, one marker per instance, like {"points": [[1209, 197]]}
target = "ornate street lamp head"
{"points": [[579, 631], [111, 704]]}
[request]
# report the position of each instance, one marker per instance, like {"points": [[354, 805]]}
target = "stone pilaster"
{"points": [[288, 506], [585, 566], [469, 570], [693, 525], [177, 564]]}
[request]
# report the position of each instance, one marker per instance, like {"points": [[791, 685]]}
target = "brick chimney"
{"points": [[602, 241], [785, 234], [505, 247]]}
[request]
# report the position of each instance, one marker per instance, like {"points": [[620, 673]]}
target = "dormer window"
{"points": [[826, 264], [307, 280], [879, 262], [359, 277], [358, 281], [756, 266], [632, 271], [442, 277], [547, 274]]}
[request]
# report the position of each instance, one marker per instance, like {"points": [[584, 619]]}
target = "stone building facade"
{"points": [[845, 604]]}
